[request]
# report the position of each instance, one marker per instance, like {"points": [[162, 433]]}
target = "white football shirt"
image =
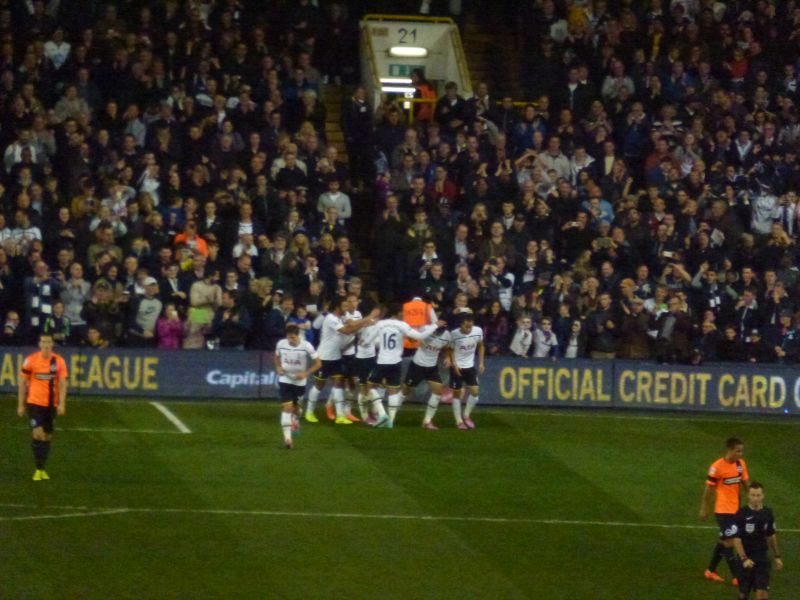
{"points": [[464, 346], [427, 355], [365, 348], [331, 341], [294, 359], [349, 344], [388, 336]]}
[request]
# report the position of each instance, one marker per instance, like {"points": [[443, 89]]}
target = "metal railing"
{"points": [[377, 17], [408, 105]]}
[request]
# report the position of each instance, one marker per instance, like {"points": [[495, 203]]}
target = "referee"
{"points": [[42, 394], [754, 537]]}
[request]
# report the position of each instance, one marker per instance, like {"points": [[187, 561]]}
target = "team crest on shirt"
{"points": [[750, 527]]}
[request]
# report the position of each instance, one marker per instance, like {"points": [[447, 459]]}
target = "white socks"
{"points": [[471, 402], [350, 396], [377, 403], [363, 406], [395, 400], [337, 395], [313, 397], [457, 407], [433, 404], [286, 426]]}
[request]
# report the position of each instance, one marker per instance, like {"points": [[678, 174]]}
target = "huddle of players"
{"points": [[746, 533], [369, 350]]}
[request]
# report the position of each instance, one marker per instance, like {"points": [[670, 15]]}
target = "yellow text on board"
{"points": [[561, 383], [110, 372]]}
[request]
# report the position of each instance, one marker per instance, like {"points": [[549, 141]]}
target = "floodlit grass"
{"points": [[137, 510]]}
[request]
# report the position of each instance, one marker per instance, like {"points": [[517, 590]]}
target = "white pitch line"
{"points": [[114, 511], [171, 417], [593, 414], [108, 430], [374, 516], [115, 430]]}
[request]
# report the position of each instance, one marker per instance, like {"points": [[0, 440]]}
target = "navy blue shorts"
{"points": [[727, 526], [417, 374], [349, 365], [41, 416], [330, 368], [387, 375], [290, 392], [363, 367], [468, 378]]}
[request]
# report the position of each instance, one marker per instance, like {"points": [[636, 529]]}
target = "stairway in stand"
{"points": [[491, 51], [331, 97], [363, 206]]}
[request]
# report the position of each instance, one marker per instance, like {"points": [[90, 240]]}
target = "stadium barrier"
{"points": [[206, 375]]}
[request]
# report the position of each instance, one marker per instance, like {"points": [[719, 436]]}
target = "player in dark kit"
{"points": [[755, 536]]}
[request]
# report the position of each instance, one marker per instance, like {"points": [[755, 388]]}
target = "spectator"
{"points": [[495, 329], [205, 297], [12, 329], [274, 324], [730, 348], [58, 324], [573, 345], [523, 338], [545, 341], [450, 110], [602, 329], [672, 337], [169, 329], [635, 340], [41, 291], [231, 323], [143, 313], [102, 312]]}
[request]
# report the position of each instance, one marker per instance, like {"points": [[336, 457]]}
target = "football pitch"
{"points": [[532, 504]]}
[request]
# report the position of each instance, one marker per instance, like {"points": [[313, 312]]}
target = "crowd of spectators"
{"points": [[642, 205], [168, 181]]}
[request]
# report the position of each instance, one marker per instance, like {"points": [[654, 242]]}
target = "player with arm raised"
{"points": [[333, 338], [425, 367], [755, 536], [295, 361], [727, 477], [389, 336], [464, 342]]}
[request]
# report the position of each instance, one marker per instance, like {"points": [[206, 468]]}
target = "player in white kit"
{"points": [[295, 361], [389, 336], [366, 359], [464, 342], [333, 338], [425, 367], [349, 359]]}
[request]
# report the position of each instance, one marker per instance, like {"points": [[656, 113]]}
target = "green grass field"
{"points": [[532, 504]]}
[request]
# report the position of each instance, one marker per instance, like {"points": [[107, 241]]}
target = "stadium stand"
{"points": [[627, 171]]}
